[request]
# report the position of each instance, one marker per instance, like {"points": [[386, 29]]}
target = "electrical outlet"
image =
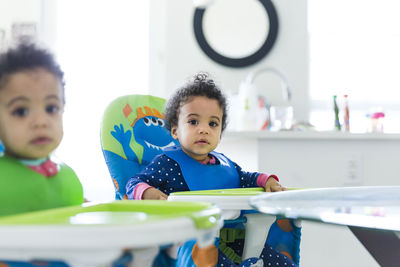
{"points": [[353, 170]]}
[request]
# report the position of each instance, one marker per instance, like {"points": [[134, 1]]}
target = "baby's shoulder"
{"points": [[163, 160]]}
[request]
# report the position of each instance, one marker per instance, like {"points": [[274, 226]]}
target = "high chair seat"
{"points": [[132, 133], [96, 234]]}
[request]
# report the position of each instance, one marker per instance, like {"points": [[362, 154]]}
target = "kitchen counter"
{"points": [[320, 159], [331, 135], [317, 158]]}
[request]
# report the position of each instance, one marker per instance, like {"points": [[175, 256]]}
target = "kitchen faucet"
{"points": [[287, 94], [250, 116]]}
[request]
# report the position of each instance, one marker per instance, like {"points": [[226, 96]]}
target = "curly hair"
{"points": [[27, 56], [199, 85]]}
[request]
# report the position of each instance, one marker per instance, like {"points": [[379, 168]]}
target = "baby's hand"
{"points": [[273, 185], [155, 194]]}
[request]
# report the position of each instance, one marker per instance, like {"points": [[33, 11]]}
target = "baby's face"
{"points": [[31, 107], [199, 127]]}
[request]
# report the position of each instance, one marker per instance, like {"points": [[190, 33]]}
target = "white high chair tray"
{"points": [[232, 202], [372, 213], [97, 233]]}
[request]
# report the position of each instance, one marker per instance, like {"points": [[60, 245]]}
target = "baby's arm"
{"points": [[146, 184], [272, 184], [254, 179], [153, 193], [136, 189]]}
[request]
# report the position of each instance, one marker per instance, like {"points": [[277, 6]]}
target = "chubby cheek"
{"points": [[11, 134], [59, 133], [1, 132], [14, 144]]}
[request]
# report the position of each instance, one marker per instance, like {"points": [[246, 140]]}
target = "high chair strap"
{"points": [[230, 253], [229, 235]]}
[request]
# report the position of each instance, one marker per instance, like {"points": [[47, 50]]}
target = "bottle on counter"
{"points": [[346, 115], [336, 110]]}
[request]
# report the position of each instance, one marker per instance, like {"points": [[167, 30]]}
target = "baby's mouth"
{"points": [[41, 141], [202, 142]]}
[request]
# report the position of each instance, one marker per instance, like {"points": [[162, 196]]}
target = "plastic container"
{"points": [[376, 122], [248, 105], [281, 118]]}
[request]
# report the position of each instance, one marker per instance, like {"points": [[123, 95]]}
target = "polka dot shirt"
{"points": [[165, 174]]}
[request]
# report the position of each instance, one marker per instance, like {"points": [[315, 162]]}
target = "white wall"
{"points": [[175, 55], [41, 12], [102, 60], [18, 11]]}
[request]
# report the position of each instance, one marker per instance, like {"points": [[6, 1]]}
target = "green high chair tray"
{"points": [[96, 234]]}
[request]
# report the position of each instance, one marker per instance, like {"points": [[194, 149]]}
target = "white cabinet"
{"points": [[320, 159]]}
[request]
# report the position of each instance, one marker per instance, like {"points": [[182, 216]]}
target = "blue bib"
{"points": [[205, 177]]}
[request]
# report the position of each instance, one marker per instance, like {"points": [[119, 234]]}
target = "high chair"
{"points": [[235, 207], [133, 132], [234, 204], [97, 234]]}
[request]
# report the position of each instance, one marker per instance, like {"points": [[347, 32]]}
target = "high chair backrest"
{"points": [[132, 133]]}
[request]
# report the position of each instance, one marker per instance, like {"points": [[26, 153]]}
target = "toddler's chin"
{"points": [[32, 154]]}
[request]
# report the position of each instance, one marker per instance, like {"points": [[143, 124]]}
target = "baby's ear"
{"points": [[174, 133]]}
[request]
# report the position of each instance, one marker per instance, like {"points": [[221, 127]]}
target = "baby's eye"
{"points": [[51, 109], [193, 122], [20, 112], [213, 124]]}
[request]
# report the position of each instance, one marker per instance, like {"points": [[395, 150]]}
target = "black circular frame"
{"points": [[244, 61]]}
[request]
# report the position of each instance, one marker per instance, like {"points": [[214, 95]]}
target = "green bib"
{"points": [[24, 190]]}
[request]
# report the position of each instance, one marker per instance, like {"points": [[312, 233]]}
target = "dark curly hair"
{"points": [[27, 56], [199, 85]]}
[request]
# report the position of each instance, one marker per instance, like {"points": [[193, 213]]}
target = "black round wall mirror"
{"points": [[236, 33]]}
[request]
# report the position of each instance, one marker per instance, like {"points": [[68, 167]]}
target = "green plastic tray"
{"points": [[204, 215], [252, 191]]}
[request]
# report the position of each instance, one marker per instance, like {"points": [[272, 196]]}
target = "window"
{"points": [[355, 50], [102, 47]]}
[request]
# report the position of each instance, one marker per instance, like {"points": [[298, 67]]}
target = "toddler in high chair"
{"points": [[31, 109], [196, 116]]}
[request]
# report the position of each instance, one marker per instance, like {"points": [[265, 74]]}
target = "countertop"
{"points": [[328, 135]]}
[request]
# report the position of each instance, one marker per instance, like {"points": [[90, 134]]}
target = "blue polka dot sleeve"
{"points": [[162, 173], [247, 179]]}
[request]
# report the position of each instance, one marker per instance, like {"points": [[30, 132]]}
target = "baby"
{"points": [[31, 108], [196, 116]]}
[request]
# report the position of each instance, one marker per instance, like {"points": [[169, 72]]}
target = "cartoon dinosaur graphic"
{"points": [[148, 131]]}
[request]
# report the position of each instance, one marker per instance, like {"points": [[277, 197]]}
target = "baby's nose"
{"points": [[203, 129], [40, 119]]}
